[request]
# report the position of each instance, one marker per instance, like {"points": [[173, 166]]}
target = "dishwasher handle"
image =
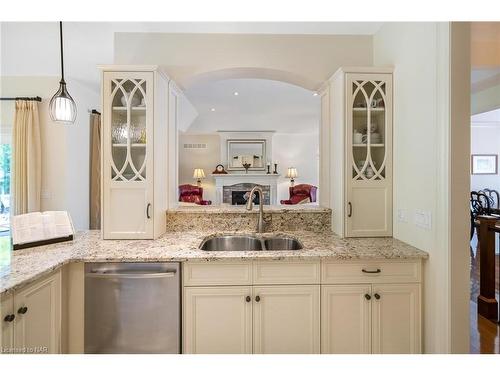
{"points": [[118, 275]]}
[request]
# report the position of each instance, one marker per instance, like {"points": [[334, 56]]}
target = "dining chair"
{"points": [[479, 205], [493, 196]]}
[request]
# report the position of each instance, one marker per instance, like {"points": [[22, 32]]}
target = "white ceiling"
{"points": [[487, 118], [260, 105]]}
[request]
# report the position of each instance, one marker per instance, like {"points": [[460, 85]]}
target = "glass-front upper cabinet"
{"points": [[370, 131], [129, 128]]}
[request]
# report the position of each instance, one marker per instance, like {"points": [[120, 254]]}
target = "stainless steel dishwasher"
{"points": [[132, 308]]}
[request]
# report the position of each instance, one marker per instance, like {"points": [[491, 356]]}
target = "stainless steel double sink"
{"points": [[235, 242]]}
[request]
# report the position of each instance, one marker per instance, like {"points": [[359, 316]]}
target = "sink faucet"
{"points": [[249, 206]]}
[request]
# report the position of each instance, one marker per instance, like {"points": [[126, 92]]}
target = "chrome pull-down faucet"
{"points": [[249, 206]]}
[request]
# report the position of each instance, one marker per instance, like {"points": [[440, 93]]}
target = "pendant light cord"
{"points": [[62, 59]]}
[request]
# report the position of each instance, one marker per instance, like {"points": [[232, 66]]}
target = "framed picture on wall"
{"points": [[484, 164]]}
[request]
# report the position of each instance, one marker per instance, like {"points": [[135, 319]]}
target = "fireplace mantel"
{"points": [[222, 180]]}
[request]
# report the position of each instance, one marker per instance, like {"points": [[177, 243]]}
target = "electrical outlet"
{"points": [[423, 219], [402, 215]]}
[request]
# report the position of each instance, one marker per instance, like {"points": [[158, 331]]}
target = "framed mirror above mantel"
{"points": [[243, 154], [252, 147]]}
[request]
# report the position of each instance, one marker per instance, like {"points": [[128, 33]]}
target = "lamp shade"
{"points": [[291, 172], [62, 106], [199, 173]]}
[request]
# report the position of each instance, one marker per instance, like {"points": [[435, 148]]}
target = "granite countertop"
{"points": [[27, 265], [228, 208]]}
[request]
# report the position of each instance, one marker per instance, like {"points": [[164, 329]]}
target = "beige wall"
{"points": [[309, 59], [459, 185], [207, 159], [421, 55]]}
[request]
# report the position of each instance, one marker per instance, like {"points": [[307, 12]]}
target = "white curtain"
{"points": [[95, 171], [26, 158]]}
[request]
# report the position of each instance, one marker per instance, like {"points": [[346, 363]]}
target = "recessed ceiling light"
{"points": [[315, 93], [236, 93], [212, 109]]}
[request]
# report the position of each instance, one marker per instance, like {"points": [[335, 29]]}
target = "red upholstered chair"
{"points": [[192, 194], [302, 193]]}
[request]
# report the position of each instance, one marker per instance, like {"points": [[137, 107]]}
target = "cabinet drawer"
{"points": [[387, 271], [286, 272], [217, 273]]}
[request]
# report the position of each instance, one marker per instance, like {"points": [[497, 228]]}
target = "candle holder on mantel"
{"points": [[246, 166], [275, 168]]}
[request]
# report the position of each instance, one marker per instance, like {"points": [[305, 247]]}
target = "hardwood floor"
{"points": [[484, 334]]}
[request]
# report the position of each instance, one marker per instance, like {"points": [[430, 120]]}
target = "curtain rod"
{"points": [[35, 98]]}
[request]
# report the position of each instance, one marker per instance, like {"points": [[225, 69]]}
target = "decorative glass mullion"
{"points": [[378, 88], [118, 172], [137, 173], [353, 159]]}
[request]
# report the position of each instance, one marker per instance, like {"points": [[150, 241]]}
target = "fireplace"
{"points": [[225, 184], [235, 194]]}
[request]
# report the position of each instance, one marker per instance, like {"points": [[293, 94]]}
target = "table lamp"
{"points": [[199, 174], [291, 173]]}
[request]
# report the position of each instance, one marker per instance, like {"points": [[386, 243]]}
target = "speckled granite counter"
{"points": [[224, 217], [29, 264]]}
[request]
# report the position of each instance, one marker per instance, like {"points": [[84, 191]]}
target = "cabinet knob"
{"points": [[368, 297], [9, 318], [377, 296], [22, 310], [248, 299], [257, 299]]}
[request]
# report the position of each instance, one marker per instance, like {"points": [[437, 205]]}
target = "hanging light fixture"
{"points": [[62, 106]]}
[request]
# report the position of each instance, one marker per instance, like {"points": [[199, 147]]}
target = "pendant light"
{"points": [[62, 106]]}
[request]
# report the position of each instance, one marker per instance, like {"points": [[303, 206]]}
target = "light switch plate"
{"points": [[46, 194], [423, 219], [402, 215]]}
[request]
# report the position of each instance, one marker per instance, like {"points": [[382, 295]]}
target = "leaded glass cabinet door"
{"points": [[369, 155], [128, 154]]}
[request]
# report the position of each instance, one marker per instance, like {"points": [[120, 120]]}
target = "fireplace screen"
{"points": [[237, 194], [241, 197]]}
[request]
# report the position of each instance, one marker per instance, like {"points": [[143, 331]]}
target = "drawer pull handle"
{"points": [[248, 299], [9, 318], [350, 209], [257, 299], [377, 296], [366, 271], [368, 297], [147, 211], [22, 310]]}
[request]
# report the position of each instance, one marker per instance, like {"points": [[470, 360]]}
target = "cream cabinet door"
{"points": [[368, 163], [7, 315], [286, 319], [346, 319], [128, 114], [217, 320], [37, 327], [396, 319]]}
